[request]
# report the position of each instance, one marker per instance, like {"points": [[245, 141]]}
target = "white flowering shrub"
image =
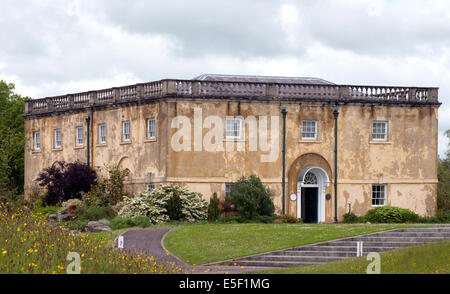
{"points": [[154, 204]]}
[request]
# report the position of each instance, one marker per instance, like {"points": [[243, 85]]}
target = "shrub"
{"points": [[35, 197], [174, 207], [239, 219], [290, 219], [351, 218], [78, 224], [213, 208], [107, 191], [123, 223], [441, 218], [231, 219], [66, 181], [264, 219], [391, 214], [154, 205], [96, 213], [252, 198], [46, 210]]}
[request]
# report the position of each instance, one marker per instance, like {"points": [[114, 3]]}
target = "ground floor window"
{"points": [[150, 187], [228, 187], [378, 195]]}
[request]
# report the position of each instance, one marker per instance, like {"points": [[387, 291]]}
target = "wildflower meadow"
{"points": [[28, 244]]}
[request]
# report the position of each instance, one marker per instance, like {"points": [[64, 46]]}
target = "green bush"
{"points": [[287, 219], [231, 219], [391, 214], [239, 219], [96, 213], [123, 223], [265, 219], [46, 210], [351, 218], [213, 208], [438, 219], [252, 198], [78, 224], [174, 207]]}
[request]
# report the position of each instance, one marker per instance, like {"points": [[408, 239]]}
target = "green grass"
{"points": [[205, 243], [107, 236], [431, 258]]}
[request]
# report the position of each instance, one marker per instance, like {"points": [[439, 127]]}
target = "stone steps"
{"points": [[398, 239], [316, 253], [340, 248], [295, 258], [414, 234], [259, 263], [372, 243], [345, 248]]}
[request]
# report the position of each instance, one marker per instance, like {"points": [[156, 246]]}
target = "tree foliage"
{"points": [[107, 191], [252, 198], [65, 181], [443, 198], [213, 208], [12, 140]]}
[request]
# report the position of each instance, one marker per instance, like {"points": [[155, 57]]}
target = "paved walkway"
{"points": [[149, 241]]}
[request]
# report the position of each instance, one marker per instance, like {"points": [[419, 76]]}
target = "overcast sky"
{"points": [[56, 47]]}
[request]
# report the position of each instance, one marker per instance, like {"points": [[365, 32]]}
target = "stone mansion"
{"points": [[323, 148]]}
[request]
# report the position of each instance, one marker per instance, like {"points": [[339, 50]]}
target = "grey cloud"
{"points": [[239, 28]]}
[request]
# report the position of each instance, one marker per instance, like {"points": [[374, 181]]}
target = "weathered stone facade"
{"points": [[405, 162]]}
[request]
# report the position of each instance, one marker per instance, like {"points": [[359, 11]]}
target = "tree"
{"points": [[12, 140], [252, 198], [65, 181], [443, 196], [213, 208]]}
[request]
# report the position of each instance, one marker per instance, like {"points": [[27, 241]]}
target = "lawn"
{"points": [[205, 243], [431, 258]]}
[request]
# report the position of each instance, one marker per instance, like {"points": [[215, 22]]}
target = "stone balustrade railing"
{"points": [[251, 90]]}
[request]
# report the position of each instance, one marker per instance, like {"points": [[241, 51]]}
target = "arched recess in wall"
{"points": [[125, 163], [303, 161]]}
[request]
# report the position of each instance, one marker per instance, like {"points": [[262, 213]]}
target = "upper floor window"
{"points": [[378, 195], [102, 133], [379, 130], [126, 131], [309, 129], [58, 139], [233, 127], [151, 128], [79, 136], [37, 140]]}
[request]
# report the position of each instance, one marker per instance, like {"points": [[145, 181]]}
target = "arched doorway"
{"points": [[311, 184]]}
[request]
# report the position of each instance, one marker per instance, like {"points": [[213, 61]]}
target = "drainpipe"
{"points": [[284, 112], [336, 114], [88, 123]]}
